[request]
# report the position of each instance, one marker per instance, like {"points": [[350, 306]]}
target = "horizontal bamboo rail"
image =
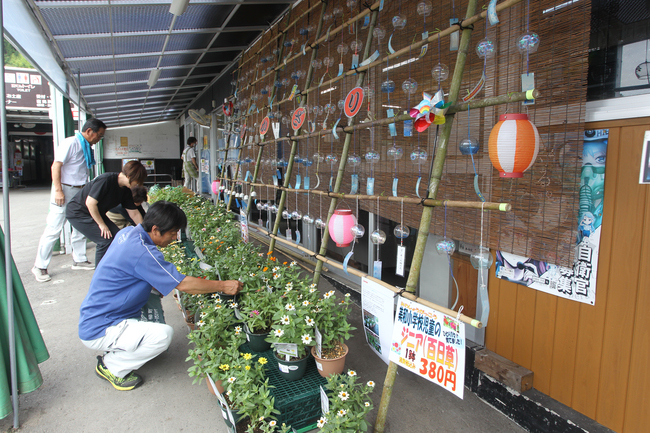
{"points": [[504, 207], [322, 39], [480, 103], [281, 32], [463, 318], [413, 47]]}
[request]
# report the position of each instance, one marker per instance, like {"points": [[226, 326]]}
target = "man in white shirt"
{"points": [[72, 159], [190, 169]]}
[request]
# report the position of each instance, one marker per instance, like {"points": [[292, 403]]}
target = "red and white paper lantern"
{"points": [[513, 145], [340, 226]]}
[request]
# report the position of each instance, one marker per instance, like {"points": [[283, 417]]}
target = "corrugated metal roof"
{"points": [[114, 44]]}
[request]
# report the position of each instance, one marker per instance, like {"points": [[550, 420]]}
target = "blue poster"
{"points": [[577, 283]]}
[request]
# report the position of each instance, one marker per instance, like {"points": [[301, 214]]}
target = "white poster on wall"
{"points": [[377, 309], [156, 140]]}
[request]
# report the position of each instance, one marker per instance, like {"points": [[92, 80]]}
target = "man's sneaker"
{"points": [[131, 381], [84, 266], [41, 275]]}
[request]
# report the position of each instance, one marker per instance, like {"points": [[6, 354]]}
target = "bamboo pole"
{"points": [[468, 21], [294, 143], [344, 154], [455, 108], [425, 221], [503, 207], [463, 318], [282, 32], [259, 154], [340, 28]]}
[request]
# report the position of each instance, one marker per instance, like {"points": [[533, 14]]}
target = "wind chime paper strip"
{"points": [[425, 47], [348, 256], [298, 180], [390, 45], [306, 182], [355, 184], [297, 237], [454, 38], [476, 89], [370, 186], [370, 59], [334, 128], [492, 12], [395, 181], [417, 186]]}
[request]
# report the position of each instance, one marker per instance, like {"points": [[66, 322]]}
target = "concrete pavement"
{"points": [[73, 399]]}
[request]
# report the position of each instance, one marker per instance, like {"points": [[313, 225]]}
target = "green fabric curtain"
{"points": [[68, 121], [30, 347]]}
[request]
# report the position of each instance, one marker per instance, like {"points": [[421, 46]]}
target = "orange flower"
{"points": [[284, 263], [265, 269], [272, 259], [269, 253]]}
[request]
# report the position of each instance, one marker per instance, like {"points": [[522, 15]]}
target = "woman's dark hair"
{"points": [[191, 140], [139, 194], [135, 171], [94, 124], [166, 216]]}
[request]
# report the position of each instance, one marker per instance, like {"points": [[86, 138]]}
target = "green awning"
{"points": [[30, 347]]}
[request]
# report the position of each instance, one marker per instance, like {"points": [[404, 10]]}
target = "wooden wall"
{"points": [[594, 359]]}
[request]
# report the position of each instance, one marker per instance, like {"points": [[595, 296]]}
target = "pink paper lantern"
{"points": [[215, 186], [340, 226]]}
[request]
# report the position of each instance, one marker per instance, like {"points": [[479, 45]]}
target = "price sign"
{"points": [[353, 102], [298, 118], [264, 126], [429, 344]]}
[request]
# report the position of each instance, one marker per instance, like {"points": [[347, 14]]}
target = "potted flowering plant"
{"points": [[348, 404], [333, 325], [293, 329]]}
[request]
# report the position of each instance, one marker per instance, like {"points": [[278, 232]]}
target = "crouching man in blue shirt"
{"points": [[120, 288]]}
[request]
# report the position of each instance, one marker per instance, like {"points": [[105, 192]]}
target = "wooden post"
{"points": [[425, 221]]}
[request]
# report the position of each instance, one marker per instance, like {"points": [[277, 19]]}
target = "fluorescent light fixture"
{"points": [[392, 106], [331, 89], [397, 65], [153, 77], [560, 6], [178, 7]]}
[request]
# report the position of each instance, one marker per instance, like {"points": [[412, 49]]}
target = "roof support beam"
{"points": [[167, 68], [128, 3], [127, 83], [155, 54], [159, 33]]}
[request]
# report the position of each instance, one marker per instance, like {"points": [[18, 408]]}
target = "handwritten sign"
{"points": [[430, 344]]}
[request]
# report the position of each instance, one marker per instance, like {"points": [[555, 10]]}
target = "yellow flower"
{"points": [[247, 356], [224, 367], [248, 367], [262, 361]]}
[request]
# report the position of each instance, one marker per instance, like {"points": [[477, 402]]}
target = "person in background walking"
{"points": [[190, 169], [87, 210], [72, 159]]}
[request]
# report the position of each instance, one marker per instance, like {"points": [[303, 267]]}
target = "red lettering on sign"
{"points": [[353, 102], [264, 127], [298, 118]]}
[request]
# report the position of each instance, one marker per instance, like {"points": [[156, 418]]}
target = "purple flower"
{"points": [[203, 229]]}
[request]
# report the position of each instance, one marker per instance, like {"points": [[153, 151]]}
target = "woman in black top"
{"points": [[87, 210]]}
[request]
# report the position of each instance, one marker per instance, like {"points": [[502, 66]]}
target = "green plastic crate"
{"points": [[297, 401], [189, 249]]}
